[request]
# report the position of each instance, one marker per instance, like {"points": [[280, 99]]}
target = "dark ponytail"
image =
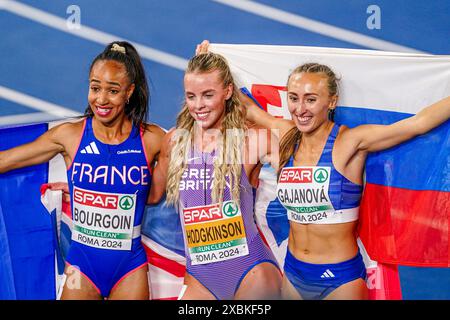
{"points": [[137, 108]]}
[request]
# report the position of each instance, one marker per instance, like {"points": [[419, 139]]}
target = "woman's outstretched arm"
{"points": [[38, 151], [372, 138]]}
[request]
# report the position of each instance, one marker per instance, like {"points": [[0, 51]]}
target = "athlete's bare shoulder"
{"points": [[68, 132], [153, 133], [343, 139]]}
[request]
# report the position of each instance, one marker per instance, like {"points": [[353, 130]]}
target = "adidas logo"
{"points": [[90, 149], [327, 274]]}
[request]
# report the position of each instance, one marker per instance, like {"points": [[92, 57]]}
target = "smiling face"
{"points": [[205, 97], [109, 90], [309, 100]]}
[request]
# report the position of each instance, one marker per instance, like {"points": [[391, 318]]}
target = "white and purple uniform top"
{"points": [[222, 241]]}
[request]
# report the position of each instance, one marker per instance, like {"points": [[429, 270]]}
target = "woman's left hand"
{"points": [[202, 47]]}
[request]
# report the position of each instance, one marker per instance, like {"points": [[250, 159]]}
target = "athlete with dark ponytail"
{"points": [[108, 155]]}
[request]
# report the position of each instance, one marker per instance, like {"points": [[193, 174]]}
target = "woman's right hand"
{"points": [[202, 47], [63, 186]]}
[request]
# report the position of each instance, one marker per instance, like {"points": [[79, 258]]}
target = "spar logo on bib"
{"points": [[320, 175], [126, 203], [202, 214], [296, 175], [230, 209], [95, 199]]}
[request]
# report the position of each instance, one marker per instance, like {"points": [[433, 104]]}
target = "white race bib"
{"points": [[103, 220], [303, 191], [214, 233]]}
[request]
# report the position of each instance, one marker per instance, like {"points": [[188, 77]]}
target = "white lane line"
{"points": [[315, 26], [26, 118], [88, 33], [36, 103]]}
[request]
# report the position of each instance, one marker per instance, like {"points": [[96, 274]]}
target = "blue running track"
{"points": [[44, 67]]}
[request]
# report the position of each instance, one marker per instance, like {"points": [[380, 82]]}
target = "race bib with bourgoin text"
{"points": [[103, 220], [215, 233]]}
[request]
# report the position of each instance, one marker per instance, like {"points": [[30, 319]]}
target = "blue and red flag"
{"points": [[405, 209]]}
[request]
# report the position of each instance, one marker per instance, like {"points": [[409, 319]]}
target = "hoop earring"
{"points": [[331, 113]]}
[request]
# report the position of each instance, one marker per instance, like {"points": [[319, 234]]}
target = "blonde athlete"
{"points": [[204, 169]]}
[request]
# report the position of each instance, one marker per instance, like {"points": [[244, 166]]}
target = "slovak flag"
{"points": [[404, 216]]}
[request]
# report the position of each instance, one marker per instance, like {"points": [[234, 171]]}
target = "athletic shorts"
{"points": [[316, 281]]}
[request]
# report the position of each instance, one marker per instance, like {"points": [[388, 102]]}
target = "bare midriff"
{"points": [[323, 243]]}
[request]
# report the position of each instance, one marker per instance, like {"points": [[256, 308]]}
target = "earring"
{"points": [[331, 114], [128, 101]]}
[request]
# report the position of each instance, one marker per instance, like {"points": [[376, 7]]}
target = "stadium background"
{"points": [[45, 60]]}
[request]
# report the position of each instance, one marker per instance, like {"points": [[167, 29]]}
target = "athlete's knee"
{"points": [[266, 277], [271, 273]]}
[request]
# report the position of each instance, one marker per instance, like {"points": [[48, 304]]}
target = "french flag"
{"points": [[404, 216], [27, 230]]}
